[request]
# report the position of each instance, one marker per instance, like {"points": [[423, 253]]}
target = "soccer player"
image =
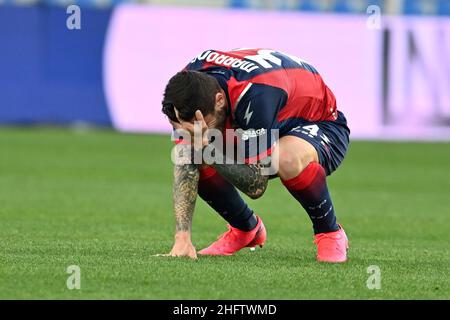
{"points": [[257, 91]]}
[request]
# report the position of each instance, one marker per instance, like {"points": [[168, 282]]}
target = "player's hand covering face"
{"points": [[213, 120], [197, 129]]}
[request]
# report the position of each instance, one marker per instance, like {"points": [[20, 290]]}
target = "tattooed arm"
{"points": [[246, 177], [185, 187]]}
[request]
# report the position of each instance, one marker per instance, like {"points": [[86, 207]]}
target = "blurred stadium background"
{"points": [[100, 196], [391, 77]]}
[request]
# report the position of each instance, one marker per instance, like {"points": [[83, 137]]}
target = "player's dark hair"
{"points": [[188, 91]]}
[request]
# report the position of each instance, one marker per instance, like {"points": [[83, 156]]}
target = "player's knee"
{"points": [[292, 162], [289, 165]]}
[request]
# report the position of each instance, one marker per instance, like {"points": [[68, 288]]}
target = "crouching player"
{"points": [[258, 90]]}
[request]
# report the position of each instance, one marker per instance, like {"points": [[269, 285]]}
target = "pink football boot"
{"points": [[234, 240], [332, 246]]}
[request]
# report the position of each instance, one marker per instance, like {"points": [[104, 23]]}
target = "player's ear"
{"points": [[220, 100], [177, 114]]}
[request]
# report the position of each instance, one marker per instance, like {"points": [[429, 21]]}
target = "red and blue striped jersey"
{"points": [[265, 88]]}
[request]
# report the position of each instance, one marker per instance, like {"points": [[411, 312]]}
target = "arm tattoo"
{"points": [[246, 177], [186, 177]]}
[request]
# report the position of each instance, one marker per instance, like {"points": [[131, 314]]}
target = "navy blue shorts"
{"points": [[330, 138]]}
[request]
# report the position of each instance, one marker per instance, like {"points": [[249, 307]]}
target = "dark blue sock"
{"points": [[310, 189], [225, 200]]}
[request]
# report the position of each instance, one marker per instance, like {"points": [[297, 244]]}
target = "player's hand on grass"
{"points": [[182, 247]]}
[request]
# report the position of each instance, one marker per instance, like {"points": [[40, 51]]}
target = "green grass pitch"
{"points": [[102, 200]]}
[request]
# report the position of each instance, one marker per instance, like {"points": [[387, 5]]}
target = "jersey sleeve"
{"points": [[256, 115]]}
